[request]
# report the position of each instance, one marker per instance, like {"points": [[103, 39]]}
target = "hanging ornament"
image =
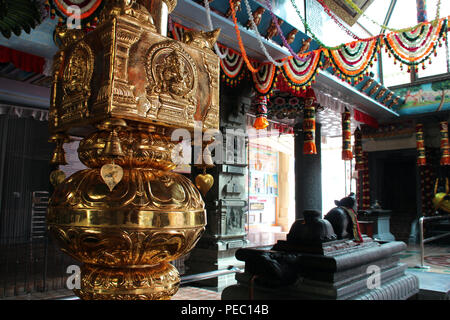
{"points": [[204, 182], [309, 127], [365, 183], [239, 38], [353, 59], [415, 46], [112, 173], [57, 177], [346, 136], [359, 165], [261, 121], [59, 155], [235, 5], [445, 156], [254, 27], [263, 80], [421, 159]]}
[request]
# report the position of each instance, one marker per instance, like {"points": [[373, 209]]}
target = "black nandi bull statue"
{"points": [[344, 220], [278, 266]]}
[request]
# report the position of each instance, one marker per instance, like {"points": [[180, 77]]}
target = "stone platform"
{"points": [[335, 270]]}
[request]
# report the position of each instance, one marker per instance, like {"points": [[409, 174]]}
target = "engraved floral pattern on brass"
{"points": [[142, 150], [114, 247], [152, 283], [144, 198], [149, 219]]}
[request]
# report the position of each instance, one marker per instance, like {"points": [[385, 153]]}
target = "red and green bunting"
{"points": [[420, 144], [346, 136], [359, 165], [261, 121], [416, 46], [309, 127], [352, 60], [445, 156], [88, 10]]}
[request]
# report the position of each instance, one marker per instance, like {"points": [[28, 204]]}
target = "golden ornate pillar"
{"points": [[124, 88]]}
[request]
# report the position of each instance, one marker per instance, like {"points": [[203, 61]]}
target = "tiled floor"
{"points": [[184, 293], [412, 258], [193, 293]]}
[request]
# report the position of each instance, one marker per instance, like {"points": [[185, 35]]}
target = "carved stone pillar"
{"points": [[308, 175], [227, 202]]}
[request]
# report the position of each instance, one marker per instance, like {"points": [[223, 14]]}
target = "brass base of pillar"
{"points": [[159, 282], [125, 237]]}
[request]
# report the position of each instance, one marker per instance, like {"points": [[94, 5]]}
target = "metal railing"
{"points": [[423, 240], [192, 277]]}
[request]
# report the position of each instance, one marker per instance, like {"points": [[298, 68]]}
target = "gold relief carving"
{"points": [[171, 71], [381, 93], [388, 97], [132, 8], [171, 4], [123, 94], [119, 248], [151, 283], [53, 115], [76, 80], [367, 84], [85, 196], [201, 39], [64, 37], [141, 150], [374, 89]]}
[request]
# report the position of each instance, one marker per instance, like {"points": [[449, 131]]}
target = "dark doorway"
{"points": [[394, 185]]}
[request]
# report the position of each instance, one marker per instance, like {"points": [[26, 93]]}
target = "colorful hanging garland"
{"points": [[89, 10], [309, 31], [415, 46], [353, 59], [365, 183], [261, 121], [263, 80], [421, 159], [280, 32], [250, 67], [445, 155], [258, 36], [232, 63], [233, 67], [211, 27], [359, 165], [298, 73], [346, 136], [282, 105], [309, 127]]}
